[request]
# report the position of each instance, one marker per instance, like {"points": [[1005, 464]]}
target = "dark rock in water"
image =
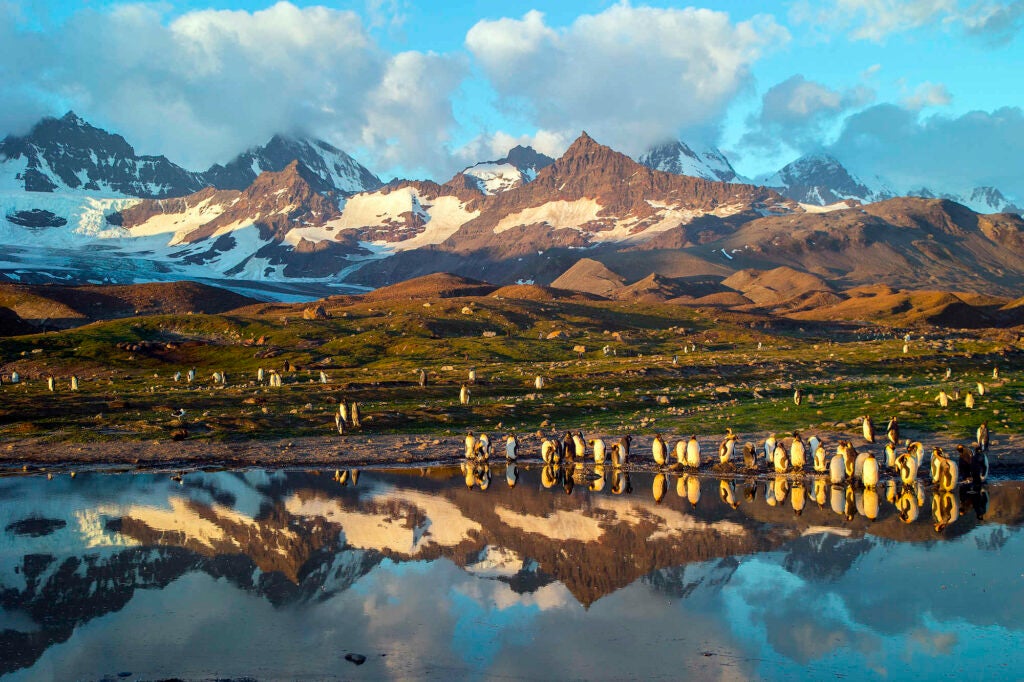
{"points": [[358, 659], [37, 217], [35, 527]]}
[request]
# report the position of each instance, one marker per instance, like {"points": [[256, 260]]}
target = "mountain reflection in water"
{"points": [[531, 572]]}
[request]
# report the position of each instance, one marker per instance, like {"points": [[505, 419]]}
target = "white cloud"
{"points": [[953, 153], [493, 146], [992, 20], [631, 76], [928, 95], [797, 111], [210, 83]]}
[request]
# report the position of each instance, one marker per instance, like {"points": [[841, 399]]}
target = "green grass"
{"points": [[371, 353]]}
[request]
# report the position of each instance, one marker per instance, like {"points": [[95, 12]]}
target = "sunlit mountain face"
{"points": [[493, 571]]}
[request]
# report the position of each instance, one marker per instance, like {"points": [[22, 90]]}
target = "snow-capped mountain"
{"points": [[698, 160], [331, 170], [520, 166], [820, 179], [68, 155]]}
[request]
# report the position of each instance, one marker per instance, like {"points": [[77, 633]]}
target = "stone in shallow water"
{"points": [[358, 659]]}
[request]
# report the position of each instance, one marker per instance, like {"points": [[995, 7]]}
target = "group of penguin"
{"points": [[845, 465]]}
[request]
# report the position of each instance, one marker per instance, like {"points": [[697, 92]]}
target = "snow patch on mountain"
{"points": [[519, 167], [695, 159]]}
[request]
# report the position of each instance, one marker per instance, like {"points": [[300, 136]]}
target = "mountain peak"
{"points": [[697, 160]]}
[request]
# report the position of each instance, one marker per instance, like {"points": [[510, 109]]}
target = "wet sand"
{"points": [[1006, 455]]}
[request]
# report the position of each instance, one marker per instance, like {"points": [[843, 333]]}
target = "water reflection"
{"points": [[277, 574]]}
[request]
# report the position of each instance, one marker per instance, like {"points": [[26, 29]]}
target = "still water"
{"points": [[527, 575]]}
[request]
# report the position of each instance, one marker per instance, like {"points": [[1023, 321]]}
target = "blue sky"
{"points": [[899, 89]]}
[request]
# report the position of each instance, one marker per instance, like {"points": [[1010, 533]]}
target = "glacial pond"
{"points": [[525, 574]]}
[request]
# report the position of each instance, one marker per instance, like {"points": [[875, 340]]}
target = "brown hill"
{"points": [[883, 305], [437, 285], [652, 289], [535, 292], [773, 287], [591, 277], [63, 306]]}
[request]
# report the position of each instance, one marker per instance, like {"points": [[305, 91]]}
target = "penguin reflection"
{"points": [[945, 509], [620, 483], [511, 475], [727, 491], [659, 487]]}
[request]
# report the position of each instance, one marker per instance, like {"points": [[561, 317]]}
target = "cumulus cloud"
{"points": [[797, 111], [209, 83], [978, 148], [631, 76], [996, 21]]}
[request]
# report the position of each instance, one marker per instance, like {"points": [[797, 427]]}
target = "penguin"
{"points": [[727, 492], [850, 459], [680, 452], [568, 446], [969, 401], [749, 456], [858, 465], [260, 375], [483, 447], [869, 471], [548, 452], [769, 448], [177, 377], [727, 447], [339, 424], [837, 470], [945, 473], [342, 410], [659, 487], [470, 445], [820, 459], [798, 396], [354, 415], [797, 452], [464, 395], [659, 450], [780, 460], [597, 447], [472, 375], [812, 444], [943, 399], [624, 444], [892, 431], [949, 373], [964, 461], [906, 468], [615, 455], [995, 372], [868, 428], [981, 389], [580, 446], [511, 474], [74, 382], [538, 383], [983, 437], [693, 453], [50, 384], [323, 377], [511, 448], [916, 450], [890, 456], [979, 466], [423, 383]]}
